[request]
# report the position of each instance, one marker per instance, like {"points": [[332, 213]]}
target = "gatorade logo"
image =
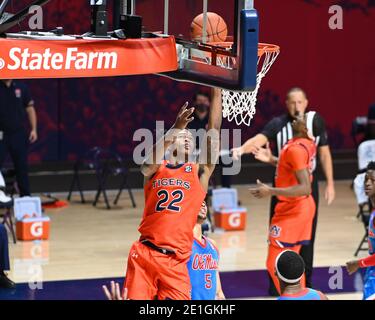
{"points": [[72, 59], [36, 229], [235, 220]]}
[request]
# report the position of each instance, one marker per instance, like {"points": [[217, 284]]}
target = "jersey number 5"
{"points": [[208, 281], [169, 201]]}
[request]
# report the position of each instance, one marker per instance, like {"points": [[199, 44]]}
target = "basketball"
{"points": [[217, 29]]}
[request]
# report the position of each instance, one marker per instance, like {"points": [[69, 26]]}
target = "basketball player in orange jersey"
{"points": [[291, 225], [203, 264], [174, 191]]}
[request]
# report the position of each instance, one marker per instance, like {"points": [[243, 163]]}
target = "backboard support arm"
{"points": [[99, 19], [3, 6], [122, 8], [249, 4], [166, 16], [125, 6], [205, 10]]}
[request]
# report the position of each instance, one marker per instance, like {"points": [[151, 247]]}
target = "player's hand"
{"points": [[184, 117], [264, 154], [261, 191], [330, 193], [237, 153], [352, 266], [204, 208], [115, 293], [220, 295], [33, 136]]}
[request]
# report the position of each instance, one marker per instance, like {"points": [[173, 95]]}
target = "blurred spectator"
{"points": [[201, 103], [363, 128], [15, 103], [5, 282], [4, 199], [370, 129]]}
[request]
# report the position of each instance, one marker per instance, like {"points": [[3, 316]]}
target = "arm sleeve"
{"points": [[26, 97], [271, 129], [319, 130], [297, 157], [367, 262]]}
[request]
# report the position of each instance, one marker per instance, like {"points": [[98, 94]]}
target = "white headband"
{"points": [[279, 274]]}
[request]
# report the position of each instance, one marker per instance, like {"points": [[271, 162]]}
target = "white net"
{"points": [[240, 106]]}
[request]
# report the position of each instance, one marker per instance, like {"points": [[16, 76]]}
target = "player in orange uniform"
{"points": [[174, 190], [290, 227]]}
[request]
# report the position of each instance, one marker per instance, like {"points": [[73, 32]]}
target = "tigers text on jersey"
{"points": [[173, 198]]}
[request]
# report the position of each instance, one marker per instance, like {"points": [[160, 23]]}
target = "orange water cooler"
{"points": [[30, 224], [228, 215]]}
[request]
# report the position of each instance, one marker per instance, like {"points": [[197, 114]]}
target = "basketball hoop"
{"points": [[240, 106]]}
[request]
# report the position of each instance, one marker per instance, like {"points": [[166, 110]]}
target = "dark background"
{"points": [[335, 67]]}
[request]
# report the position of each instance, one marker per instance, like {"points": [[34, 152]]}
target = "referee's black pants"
{"points": [[16, 144], [307, 251]]}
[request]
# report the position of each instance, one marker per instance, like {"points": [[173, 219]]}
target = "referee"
{"points": [[279, 132], [15, 104]]}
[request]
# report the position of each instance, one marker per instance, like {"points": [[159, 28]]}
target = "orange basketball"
{"points": [[217, 29]]}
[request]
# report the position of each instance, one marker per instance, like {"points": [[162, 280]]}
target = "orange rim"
{"points": [[262, 47]]}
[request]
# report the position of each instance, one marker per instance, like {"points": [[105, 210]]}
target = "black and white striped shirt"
{"points": [[279, 130]]}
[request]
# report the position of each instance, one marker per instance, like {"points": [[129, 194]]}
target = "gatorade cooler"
{"points": [[30, 224], [228, 216], [33, 229]]}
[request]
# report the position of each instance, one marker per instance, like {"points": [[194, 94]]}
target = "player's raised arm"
{"points": [[250, 146], [154, 158], [211, 147], [353, 266], [216, 115]]}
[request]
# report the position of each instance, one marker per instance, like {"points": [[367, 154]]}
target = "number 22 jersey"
{"points": [[173, 198]]}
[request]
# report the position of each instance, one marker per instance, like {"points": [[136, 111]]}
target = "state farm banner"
{"points": [[27, 59]]}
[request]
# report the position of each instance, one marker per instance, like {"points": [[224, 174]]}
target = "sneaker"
{"points": [[4, 199], [6, 283]]}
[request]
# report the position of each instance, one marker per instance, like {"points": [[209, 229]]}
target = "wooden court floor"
{"points": [[88, 242]]}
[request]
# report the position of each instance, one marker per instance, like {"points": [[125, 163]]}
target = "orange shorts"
{"points": [[153, 275], [292, 223]]}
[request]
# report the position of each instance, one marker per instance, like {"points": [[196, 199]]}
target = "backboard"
{"points": [[200, 61]]}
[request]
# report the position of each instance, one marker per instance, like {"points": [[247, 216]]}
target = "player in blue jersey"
{"points": [[369, 262], [290, 269], [203, 265]]}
